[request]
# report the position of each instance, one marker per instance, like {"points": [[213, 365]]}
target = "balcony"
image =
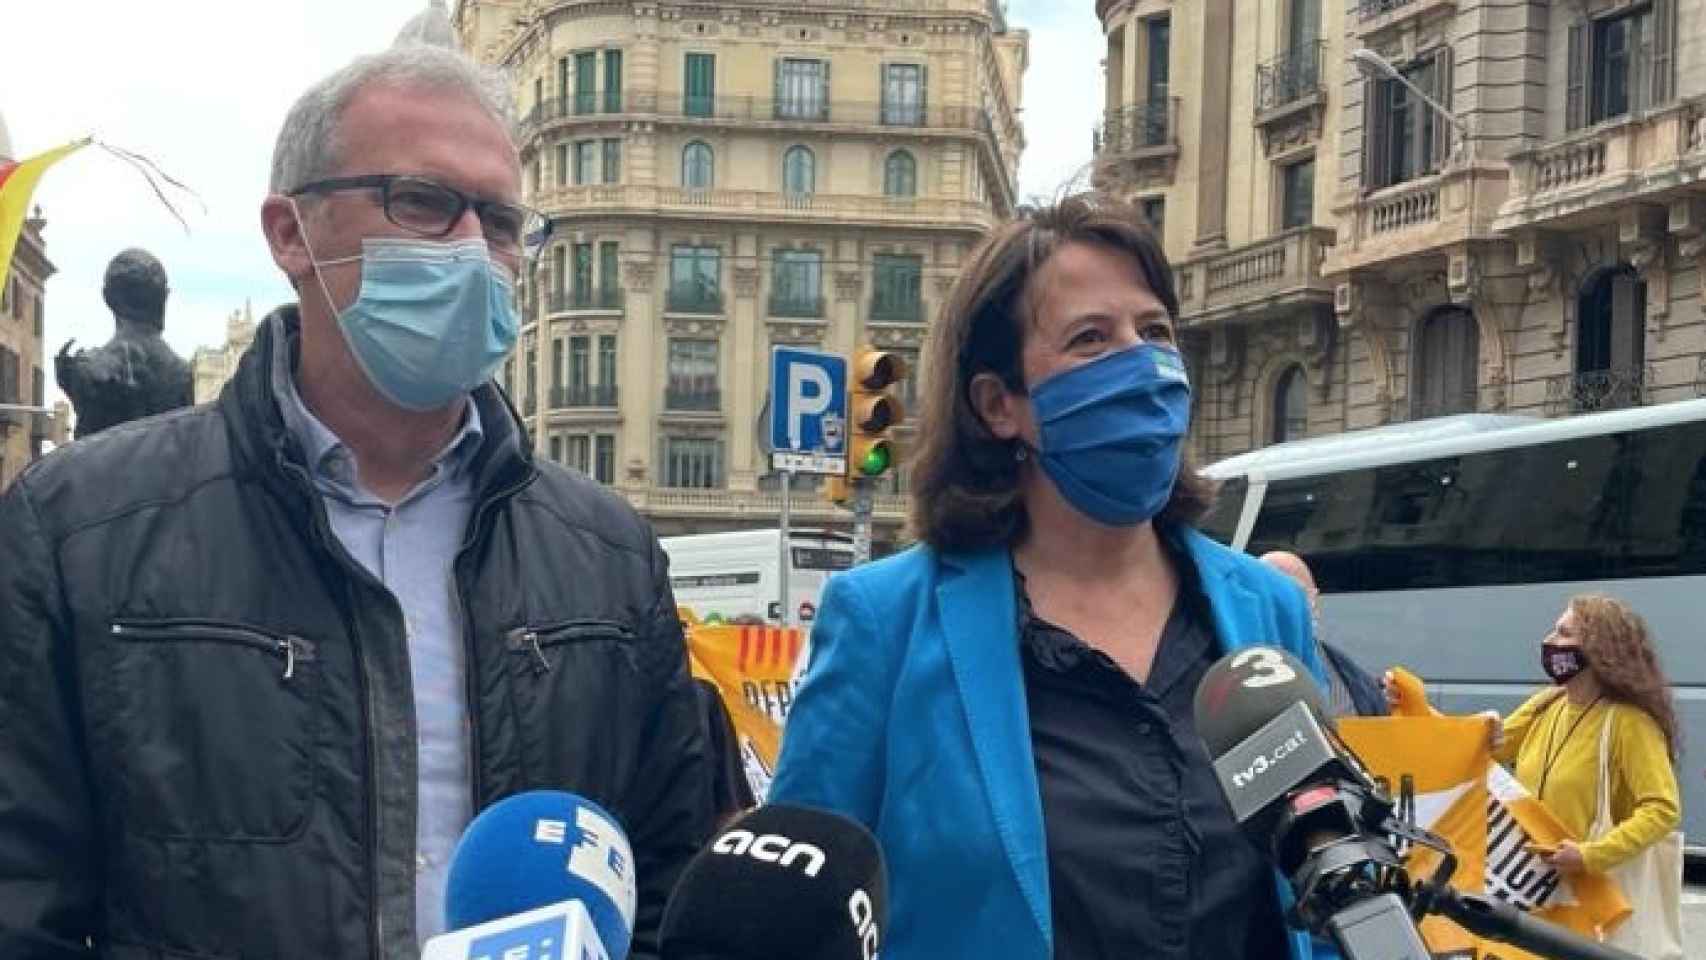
{"points": [[731, 504], [693, 298], [1138, 144], [1374, 16], [605, 200], [796, 307], [1593, 390], [1421, 216], [1289, 78], [692, 399], [1267, 278], [885, 310], [579, 396], [1584, 178], [820, 110], [591, 298]]}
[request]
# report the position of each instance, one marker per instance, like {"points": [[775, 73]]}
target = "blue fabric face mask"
{"points": [[1109, 432], [433, 320]]}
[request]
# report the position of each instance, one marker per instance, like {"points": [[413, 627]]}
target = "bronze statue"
{"points": [[135, 375]]}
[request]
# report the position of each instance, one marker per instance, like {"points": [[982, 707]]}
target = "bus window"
{"points": [[1221, 521]]}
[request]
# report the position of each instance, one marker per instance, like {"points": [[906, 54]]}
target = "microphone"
{"points": [[545, 872], [1302, 795], [782, 881]]}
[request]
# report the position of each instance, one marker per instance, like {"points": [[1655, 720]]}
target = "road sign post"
{"points": [[862, 497], [808, 431]]}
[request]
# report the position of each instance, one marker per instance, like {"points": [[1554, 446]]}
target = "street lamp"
{"points": [[1376, 67]]}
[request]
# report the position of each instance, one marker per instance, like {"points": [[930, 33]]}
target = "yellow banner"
{"points": [[1440, 771], [17, 185], [753, 668]]}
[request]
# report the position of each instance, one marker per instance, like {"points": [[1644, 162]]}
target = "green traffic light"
{"points": [[876, 460]]}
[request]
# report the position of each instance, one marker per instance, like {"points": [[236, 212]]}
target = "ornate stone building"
{"points": [[212, 366], [22, 311], [728, 176], [1534, 249]]}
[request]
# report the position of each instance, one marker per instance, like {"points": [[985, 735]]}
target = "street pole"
{"points": [[862, 497], [782, 574]]}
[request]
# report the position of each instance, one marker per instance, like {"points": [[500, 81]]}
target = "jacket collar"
{"points": [[262, 443]]}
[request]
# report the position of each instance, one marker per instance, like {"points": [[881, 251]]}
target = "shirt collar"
{"points": [[327, 456]]}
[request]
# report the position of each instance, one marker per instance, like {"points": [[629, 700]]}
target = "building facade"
{"points": [[23, 309], [724, 177], [1533, 248], [211, 367]]}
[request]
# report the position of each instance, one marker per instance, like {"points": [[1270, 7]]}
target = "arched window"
{"points": [[1610, 342], [698, 167], [900, 175], [1291, 406], [1447, 351], [799, 171]]}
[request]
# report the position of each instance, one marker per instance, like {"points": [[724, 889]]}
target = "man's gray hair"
{"points": [[308, 143]]}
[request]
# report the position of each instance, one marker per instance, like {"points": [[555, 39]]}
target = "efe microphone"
{"points": [[781, 882], [546, 873]]}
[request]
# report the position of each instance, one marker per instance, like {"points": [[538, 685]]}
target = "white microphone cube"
{"points": [[561, 931]]}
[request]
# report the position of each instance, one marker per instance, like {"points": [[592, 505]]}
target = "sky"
{"points": [[202, 91]]}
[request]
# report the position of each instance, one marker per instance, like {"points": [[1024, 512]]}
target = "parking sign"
{"points": [[808, 410]]}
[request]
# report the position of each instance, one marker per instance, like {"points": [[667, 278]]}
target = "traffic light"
{"points": [[872, 411]]}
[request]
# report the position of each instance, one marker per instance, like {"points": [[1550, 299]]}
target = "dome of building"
{"points": [[430, 26]]}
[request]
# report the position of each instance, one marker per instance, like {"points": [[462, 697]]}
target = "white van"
{"points": [[721, 576]]}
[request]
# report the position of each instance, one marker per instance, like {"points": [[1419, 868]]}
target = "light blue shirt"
{"points": [[410, 547]]}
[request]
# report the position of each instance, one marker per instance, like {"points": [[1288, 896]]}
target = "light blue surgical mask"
{"points": [[433, 319], [1109, 432]]}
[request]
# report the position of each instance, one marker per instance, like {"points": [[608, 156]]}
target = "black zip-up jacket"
{"points": [[206, 725]]}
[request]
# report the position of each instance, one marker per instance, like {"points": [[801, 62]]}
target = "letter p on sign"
{"points": [[809, 395]]}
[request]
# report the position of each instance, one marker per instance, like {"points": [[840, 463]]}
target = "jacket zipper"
{"points": [[323, 527], [470, 652], [534, 640], [290, 648]]}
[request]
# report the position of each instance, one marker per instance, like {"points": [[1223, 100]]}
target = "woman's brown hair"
{"points": [[1618, 646], [965, 480]]}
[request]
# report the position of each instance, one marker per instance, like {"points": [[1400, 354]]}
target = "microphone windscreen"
{"points": [[539, 848], [1245, 689], [782, 881]]}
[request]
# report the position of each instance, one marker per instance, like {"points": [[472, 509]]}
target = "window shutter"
{"points": [[1443, 127], [923, 94], [1664, 49], [823, 92], [776, 93], [1373, 135], [1575, 99], [885, 96]]}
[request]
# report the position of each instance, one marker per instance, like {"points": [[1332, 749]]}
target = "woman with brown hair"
{"points": [[1007, 705], [1609, 711]]}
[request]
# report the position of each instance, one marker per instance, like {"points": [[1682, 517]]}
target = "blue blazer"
{"points": [[912, 720]]}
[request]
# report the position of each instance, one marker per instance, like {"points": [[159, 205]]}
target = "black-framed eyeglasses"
{"points": [[431, 209]]}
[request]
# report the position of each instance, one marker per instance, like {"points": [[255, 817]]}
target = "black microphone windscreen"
{"points": [[1247, 688], [782, 881]]}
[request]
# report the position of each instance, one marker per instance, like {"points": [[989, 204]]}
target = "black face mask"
{"points": [[1562, 663]]}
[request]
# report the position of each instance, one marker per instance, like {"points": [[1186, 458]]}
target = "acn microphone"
{"points": [[782, 881], [541, 875], [1305, 798]]}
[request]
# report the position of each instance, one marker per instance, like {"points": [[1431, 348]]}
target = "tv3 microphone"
{"points": [[543, 875], [781, 882]]}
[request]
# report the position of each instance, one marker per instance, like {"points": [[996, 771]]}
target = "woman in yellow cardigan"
{"points": [[1602, 663]]}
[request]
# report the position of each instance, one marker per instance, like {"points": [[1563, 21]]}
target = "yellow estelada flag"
{"points": [[753, 669], [17, 185]]}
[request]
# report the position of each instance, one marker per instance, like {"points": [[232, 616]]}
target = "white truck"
{"points": [[721, 576]]}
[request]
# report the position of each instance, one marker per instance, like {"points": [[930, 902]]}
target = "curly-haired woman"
{"points": [[1608, 689]]}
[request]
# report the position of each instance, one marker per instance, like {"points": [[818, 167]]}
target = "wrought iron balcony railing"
{"points": [[1591, 390], [896, 112], [895, 310], [692, 298], [580, 395], [692, 399], [1289, 77], [586, 298], [1138, 126], [793, 306], [1369, 9]]}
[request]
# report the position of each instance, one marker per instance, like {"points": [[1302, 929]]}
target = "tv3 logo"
{"points": [[1267, 668]]}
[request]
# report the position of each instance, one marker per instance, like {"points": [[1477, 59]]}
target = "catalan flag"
{"points": [[17, 184]]}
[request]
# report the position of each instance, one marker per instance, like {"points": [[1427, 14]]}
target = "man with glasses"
{"points": [[262, 661]]}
